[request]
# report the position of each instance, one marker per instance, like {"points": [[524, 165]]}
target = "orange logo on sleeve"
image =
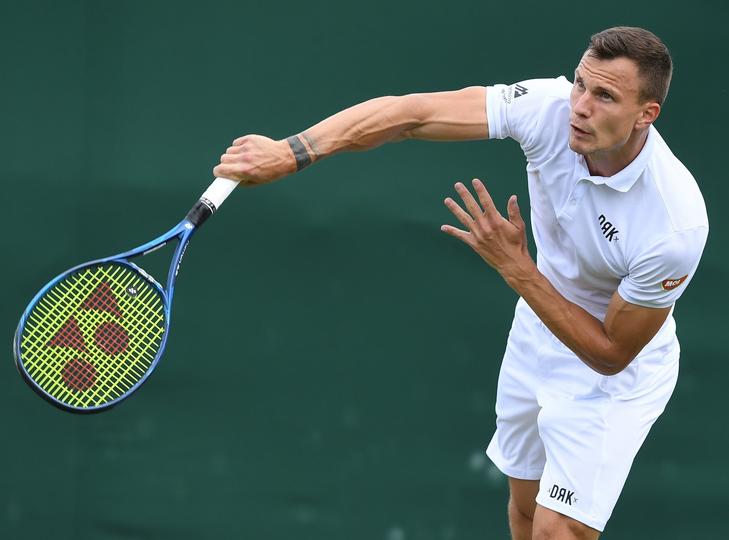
{"points": [[668, 284]]}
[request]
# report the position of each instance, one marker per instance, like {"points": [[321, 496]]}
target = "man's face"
{"points": [[605, 105]]}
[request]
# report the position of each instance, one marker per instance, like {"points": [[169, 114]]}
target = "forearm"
{"points": [[439, 116], [361, 127], [581, 332]]}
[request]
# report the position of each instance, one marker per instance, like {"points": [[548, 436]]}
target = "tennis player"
{"points": [[619, 224]]}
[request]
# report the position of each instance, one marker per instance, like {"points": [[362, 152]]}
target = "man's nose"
{"points": [[582, 105]]}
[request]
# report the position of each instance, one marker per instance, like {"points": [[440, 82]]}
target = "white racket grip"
{"points": [[219, 190]]}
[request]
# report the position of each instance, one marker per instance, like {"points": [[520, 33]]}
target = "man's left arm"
{"points": [[605, 347]]}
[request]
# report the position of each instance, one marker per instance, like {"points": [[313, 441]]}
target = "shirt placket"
{"points": [[569, 209]]}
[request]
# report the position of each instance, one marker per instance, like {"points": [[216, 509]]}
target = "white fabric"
{"points": [[562, 423], [637, 232], [654, 206]]}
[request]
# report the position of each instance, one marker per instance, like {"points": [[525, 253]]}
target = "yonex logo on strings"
{"points": [[110, 337], [608, 229]]}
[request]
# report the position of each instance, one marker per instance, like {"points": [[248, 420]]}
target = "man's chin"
{"points": [[578, 148]]}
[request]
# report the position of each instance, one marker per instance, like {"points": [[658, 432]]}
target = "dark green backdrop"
{"points": [[332, 366]]}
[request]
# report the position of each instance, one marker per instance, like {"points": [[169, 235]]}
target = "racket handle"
{"points": [[211, 200], [219, 191]]}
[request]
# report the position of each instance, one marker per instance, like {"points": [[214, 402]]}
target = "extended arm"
{"points": [[441, 116]]}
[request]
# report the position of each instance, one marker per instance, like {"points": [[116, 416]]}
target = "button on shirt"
{"points": [[640, 232]]}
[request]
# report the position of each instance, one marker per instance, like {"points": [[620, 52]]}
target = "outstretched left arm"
{"points": [[606, 347]]}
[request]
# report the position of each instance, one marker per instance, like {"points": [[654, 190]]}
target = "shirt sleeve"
{"points": [[516, 110], [660, 274]]}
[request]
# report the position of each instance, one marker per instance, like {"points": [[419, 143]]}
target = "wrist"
{"points": [[521, 274], [288, 157]]}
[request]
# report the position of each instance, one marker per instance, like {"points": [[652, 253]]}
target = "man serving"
{"points": [[619, 224]]}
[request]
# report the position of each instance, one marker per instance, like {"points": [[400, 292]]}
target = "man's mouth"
{"points": [[578, 130]]}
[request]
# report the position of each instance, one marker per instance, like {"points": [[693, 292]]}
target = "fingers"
{"points": [[489, 209], [228, 171], [234, 163], [234, 154], [459, 212], [221, 171], [457, 233], [514, 213], [473, 208]]}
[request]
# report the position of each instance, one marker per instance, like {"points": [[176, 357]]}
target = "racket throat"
{"points": [[200, 212]]}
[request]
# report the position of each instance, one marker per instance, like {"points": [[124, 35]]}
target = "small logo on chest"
{"points": [[608, 229]]}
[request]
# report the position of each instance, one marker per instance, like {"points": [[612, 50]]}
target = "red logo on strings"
{"points": [[110, 337]]}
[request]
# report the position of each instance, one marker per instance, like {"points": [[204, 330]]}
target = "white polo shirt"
{"points": [[640, 232]]}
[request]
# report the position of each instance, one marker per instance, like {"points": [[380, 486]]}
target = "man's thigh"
{"points": [[590, 446], [577, 432]]}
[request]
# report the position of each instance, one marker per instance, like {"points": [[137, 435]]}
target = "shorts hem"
{"points": [[574, 513], [518, 473]]}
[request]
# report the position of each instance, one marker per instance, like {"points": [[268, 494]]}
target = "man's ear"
{"points": [[650, 112]]}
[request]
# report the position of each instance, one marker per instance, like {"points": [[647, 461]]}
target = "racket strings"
{"points": [[75, 365], [93, 335]]}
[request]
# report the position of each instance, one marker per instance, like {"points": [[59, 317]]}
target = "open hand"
{"points": [[500, 242]]}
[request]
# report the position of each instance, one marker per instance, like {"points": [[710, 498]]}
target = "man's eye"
{"points": [[579, 83], [606, 96]]}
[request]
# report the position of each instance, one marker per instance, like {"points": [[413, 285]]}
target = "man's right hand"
{"points": [[254, 159]]}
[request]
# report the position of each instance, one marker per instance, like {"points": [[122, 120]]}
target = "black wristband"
{"points": [[303, 159]]}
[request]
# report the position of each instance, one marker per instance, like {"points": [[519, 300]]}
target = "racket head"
{"points": [[92, 335]]}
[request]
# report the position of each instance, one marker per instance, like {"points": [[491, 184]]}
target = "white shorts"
{"points": [[576, 431]]}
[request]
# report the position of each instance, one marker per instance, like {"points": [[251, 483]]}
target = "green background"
{"points": [[332, 366]]}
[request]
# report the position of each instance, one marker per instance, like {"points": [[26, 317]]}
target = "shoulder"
{"points": [[520, 110], [677, 194], [671, 222], [533, 89]]}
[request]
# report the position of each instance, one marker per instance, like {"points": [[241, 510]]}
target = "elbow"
{"points": [[393, 119], [610, 365], [412, 113], [611, 370]]}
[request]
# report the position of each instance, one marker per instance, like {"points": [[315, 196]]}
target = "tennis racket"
{"points": [[94, 334]]}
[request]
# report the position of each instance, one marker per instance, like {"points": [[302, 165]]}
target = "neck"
{"points": [[609, 162]]}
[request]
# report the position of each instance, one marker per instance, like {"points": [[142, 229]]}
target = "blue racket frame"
{"points": [[182, 232]]}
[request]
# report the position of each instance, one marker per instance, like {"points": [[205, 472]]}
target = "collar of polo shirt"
{"points": [[622, 180]]}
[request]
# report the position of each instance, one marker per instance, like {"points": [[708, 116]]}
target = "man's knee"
{"points": [[522, 512], [551, 525], [522, 497]]}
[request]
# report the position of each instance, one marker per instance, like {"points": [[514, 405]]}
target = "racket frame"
{"points": [[182, 232], [208, 203]]}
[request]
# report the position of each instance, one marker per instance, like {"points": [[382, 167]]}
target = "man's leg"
{"points": [[549, 524], [522, 503], [528, 521]]}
